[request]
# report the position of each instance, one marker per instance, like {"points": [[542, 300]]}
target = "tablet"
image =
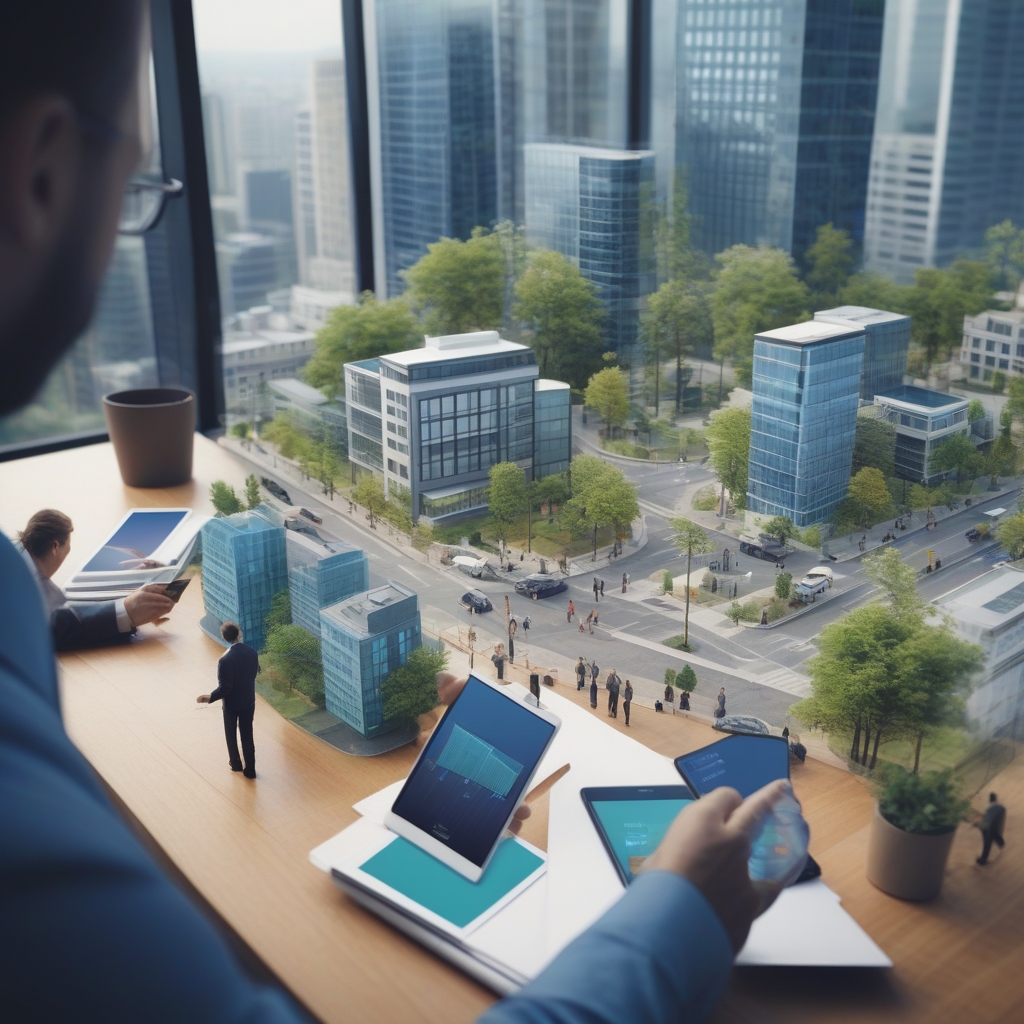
{"points": [[632, 821], [143, 538], [746, 763], [472, 774]]}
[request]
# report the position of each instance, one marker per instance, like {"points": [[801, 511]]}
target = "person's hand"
{"points": [[203, 698], [148, 604], [709, 844], [449, 686]]}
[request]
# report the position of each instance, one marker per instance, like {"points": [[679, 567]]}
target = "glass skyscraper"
{"points": [[804, 418], [322, 574], [886, 344]]}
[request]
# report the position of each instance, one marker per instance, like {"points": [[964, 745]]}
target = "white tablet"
{"points": [[472, 775]]}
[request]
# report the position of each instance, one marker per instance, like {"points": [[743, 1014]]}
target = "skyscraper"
{"points": [[320, 575], [886, 344], [804, 418], [304, 194], [948, 155]]}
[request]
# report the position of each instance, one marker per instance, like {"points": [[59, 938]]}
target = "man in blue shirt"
{"points": [[91, 929]]}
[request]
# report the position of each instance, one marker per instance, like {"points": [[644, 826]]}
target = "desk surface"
{"points": [[244, 845]]}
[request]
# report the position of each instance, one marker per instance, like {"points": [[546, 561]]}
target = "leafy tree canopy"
{"points": [[550, 490], [976, 410], [601, 496], [690, 538], [686, 679], [1010, 533], [297, 655], [830, 261], [886, 569], [781, 527], [875, 445], [956, 454], [224, 499], [728, 439], [875, 292], [292, 442], [608, 393], [1004, 253], [507, 496], [867, 500], [678, 322], [369, 493], [252, 491], [411, 690]]}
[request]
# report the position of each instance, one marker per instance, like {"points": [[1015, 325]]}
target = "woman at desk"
{"points": [[45, 543]]}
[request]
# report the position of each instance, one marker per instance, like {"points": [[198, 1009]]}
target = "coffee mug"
{"points": [[151, 430]]}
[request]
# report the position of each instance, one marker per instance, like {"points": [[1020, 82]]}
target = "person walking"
{"points": [[594, 671], [684, 701], [593, 693], [601, 582], [627, 699], [581, 674], [570, 612], [992, 823], [596, 620], [581, 624], [527, 623], [625, 581], [596, 589], [498, 660], [720, 710], [511, 648], [236, 686], [613, 685], [590, 622]]}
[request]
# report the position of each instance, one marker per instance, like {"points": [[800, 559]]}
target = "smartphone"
{"points": [[176, 588], [632, 821], [472, 775]]}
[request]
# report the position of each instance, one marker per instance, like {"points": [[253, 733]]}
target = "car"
{"points": [[973, 533], [301, 526], [817, 573], [276, 489], [744, 724], [769, 552], [476, 601], [810, 587], [311, 516], [540, 585]]}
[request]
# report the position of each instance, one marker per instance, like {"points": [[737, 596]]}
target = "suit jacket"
{"points": [[236, 678]]}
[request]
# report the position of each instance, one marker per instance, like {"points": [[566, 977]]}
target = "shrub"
{"points": [[677, 643], [706, 499], [783, 585], [296, 653], [666, 582], [224, 499], [670, 677], [812, 536], [922, 804], [777, 607], [686, 679], [411, 690]]}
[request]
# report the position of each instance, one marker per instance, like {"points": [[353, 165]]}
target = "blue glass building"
{"points": [[244, 566], [804, 418], [886, 344], [552, 427], [320, 575], [364, 639]]}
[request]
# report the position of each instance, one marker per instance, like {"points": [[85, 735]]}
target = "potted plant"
{"points": [[912, 831]]}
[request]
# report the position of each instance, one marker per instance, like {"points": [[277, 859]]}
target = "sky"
{"points": [[265, 26]]}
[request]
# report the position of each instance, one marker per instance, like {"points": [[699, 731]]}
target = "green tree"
{"points": [[563, 315], [783, 585], [399, 515], [224, 499], [550, 490], [1015, 401], [601, 496], [369, 493], [677, 259], [875, 292], [830, 262], [608, 393], [781, 527], [507, 498], [755, 290], [241, 430], [998, 381], [280, 611], [1010, 533], [686, 679], [689, 537], [364, 331], [728, 440], [867, 500], [956, 454], [975, 411], [459, 286], [678, 321], [1004, 253], [411, 689], [252, 491], [296, 653], [670, 677], [875, 445], [291, 441], [886, 569]]}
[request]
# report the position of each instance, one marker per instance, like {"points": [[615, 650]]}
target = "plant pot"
{"points": [[906, 865], [152, 430]]}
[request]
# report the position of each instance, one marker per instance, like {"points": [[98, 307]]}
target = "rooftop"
{"points": [[254, 521], [593, 152], [543, 384], [990, 601], [369, 365], [354, 612], [456, 346], [323, 549], [1015, 316], [911, 394], [292, 387], [811, 331], [859, 314]]}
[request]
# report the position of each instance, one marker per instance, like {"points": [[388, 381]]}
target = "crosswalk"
{"points": [[787, 681]]}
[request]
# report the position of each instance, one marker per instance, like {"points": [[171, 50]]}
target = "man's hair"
{"points": [[992, 798], [85, 50], [45, 527], [230, 631]]}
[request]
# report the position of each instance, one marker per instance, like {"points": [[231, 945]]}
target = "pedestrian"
{"points": [[684, 700], [570, 611], [593, 693], [511, 649], [581, 674], [595, 617], [601, 582], [594, 671], [581, 624], [513, 626], [612, 685], [627, 699], [527, 622], [670, 695], [522, 555], [992, 824], [720, 710], [596, 589], [498, 660], [590, 622]]}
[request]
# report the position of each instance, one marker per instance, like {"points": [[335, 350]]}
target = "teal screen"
{"points": [[635, 827]]}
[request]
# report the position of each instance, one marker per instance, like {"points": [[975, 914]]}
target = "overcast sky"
{"points": [[267, 25]]}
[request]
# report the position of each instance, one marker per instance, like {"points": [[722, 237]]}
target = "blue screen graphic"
{"points": [[473, 771], [634, 828], [135, 540], [744, 762]]}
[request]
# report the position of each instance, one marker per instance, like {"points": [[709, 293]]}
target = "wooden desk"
{"points": [[244, 845]]}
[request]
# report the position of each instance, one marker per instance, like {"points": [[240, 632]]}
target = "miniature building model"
{"points": [[320, 575], [364, 639]]}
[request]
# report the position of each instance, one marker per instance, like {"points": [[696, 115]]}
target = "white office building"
{"points": [[993, 342]]}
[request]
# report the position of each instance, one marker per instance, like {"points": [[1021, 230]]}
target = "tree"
{"points": [[608, 393], [399, 515], [755, 290], [297, 655], [886, 569], [956, 454], [561, 310], [224, 499], [867, 500], [364, 331], [686, 679], [1004, 252], [1010, 533], [240, 430], [459, 286], [670, 677], [411, 689], [369, 493], [875, 292], [280, 612], [830, 261], [1015, 401], [550, 490], [601, 496], [252, 491], [678, 321], [783, 585], [975, 411], [677, 259], [728, 439], [781, 527], [689, 537], [507, 498], [291, 441], [875, 445]]}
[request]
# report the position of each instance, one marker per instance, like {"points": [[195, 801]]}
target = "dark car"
{"points": [[745, 724], [476, 601], [276, 489], [311, 516], [769, 552], [301, 526], [540, 585], [973, 533]]}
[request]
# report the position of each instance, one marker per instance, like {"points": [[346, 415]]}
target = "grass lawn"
{"points": [[548, 539], [943, 748]]}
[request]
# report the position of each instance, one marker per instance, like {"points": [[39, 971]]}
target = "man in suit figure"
{"points": [[612, 685], [236, 686], [992, 823]]}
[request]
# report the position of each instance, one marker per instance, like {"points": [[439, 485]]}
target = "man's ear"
{"points": [[39, 148]]}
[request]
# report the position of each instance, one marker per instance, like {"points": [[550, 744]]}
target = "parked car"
{"points": [[769, 552], [745, 724], [810, 587], [276, 489], [311, 516], [476, 601], [978, 531], [817, 573], [540, 585]]}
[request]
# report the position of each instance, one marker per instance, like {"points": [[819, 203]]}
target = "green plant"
{"points": [[686, 679], [926, 804], [783, 585], [812, 536], [296, 653], [677, 642], [706, 499], [670, 677], [411, 690], [252, 491], [666, 582], [998, 382], [240, 430], [224, 499], [735, 612]]}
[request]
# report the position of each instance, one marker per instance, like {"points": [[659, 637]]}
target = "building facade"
{"points": [[993, 343], [320, 575], [806, 390], [319, 416], [449, 411], [363, 640], [886, 344], [948, 155], [923, 419], [597, 207], [244, 566]]}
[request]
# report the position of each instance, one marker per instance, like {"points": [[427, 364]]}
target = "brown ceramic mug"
{"points": [[151, 430]]}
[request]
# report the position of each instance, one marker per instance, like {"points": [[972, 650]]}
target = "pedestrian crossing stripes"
{"points": [[787, 681]]}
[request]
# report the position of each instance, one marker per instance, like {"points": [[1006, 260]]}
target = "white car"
{"points": [[816, 575]]}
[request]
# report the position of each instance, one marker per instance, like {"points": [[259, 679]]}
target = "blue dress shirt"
{"points": [[92, 930]]}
